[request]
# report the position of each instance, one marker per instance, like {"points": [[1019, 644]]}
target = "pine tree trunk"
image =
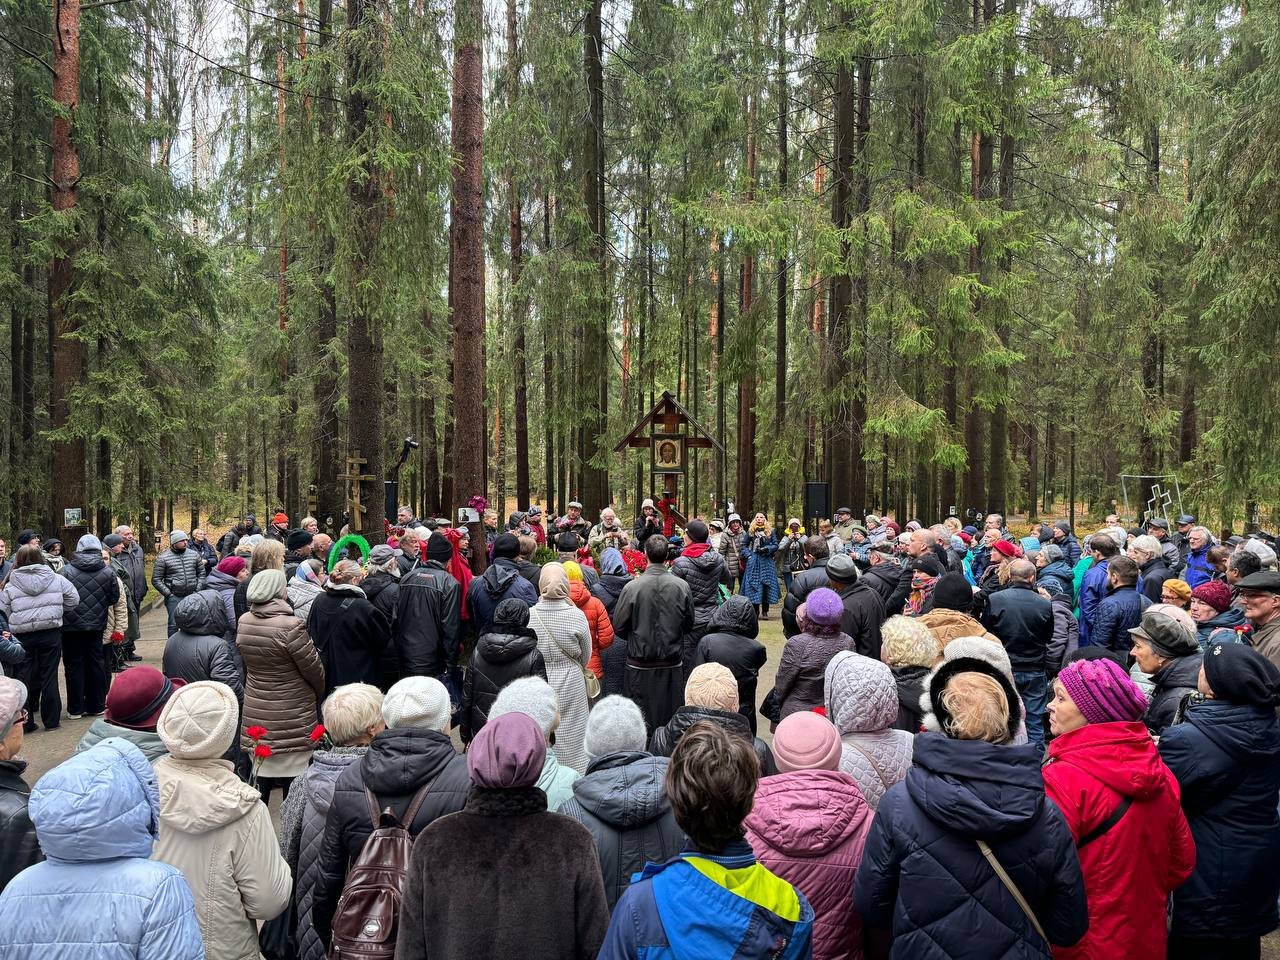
{"points": [[519, 303], [839, 431], [780, 345], [364, 336], [19, 311], [466, 276], [68, 352], [595, 480], [998, 482], [861, 294]]}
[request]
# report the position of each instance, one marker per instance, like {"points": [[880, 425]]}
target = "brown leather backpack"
{"points": [[367, 917]]}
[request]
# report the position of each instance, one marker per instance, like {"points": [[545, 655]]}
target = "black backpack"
{"points": [[367, 917]]}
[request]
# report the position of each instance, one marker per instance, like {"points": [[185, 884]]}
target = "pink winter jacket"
{"points": [[809, 827]]}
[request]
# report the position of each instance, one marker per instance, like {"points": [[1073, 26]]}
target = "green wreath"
{"points": [[340, 548]]}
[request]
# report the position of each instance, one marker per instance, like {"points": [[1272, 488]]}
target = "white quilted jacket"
{"points": [[862, 702]]}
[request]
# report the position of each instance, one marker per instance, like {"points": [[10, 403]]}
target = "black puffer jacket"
{"points": [[399, 763], [704, 574], [802, 584], [1153, 575], [664, 739], [19, 847], [198, 649], [98, 587], [428, 632], [910, 682], [1172, 682], [179, 573], [731, 641], [497, 659], [622, 800], [349, 633]]}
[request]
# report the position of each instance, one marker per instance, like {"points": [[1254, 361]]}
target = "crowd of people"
{"points": [[975, 744]]}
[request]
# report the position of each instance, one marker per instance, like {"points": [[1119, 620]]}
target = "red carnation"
{"points": [[262, 751], [255, 733], [317, 733]]}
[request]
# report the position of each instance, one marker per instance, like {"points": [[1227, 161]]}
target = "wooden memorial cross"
{"points": [[354, 478], [668, 431]]}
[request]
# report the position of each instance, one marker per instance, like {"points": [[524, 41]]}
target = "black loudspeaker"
{"points": [[817, 500]]}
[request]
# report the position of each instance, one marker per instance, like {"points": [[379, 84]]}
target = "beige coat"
{"points": [[117, 614], [283, 676], [948, 625], [215, 829]]}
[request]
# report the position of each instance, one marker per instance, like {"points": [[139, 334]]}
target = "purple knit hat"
{"points": [[1102, 691], [806, 741], [824, 607], [509, 752]]}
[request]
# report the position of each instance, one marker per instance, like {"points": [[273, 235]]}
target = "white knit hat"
{"points": [[419, 702], [532, 696], [615, 725], [199, 722]]}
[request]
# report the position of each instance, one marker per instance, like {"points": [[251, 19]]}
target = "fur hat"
{"points": [[971, 648], [939, 679], [712, 685], [200, 720], [906, 642]]}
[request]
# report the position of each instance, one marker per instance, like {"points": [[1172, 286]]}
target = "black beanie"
{"points": [[1237, 673], [438, 548], [297, 539], [567, 542], [952, 592], [506, 546]]}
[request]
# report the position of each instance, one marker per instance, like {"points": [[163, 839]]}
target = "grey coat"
{"points": [[36, 598], [178, 574], [134, 559], [302, 821], [622, 801]]}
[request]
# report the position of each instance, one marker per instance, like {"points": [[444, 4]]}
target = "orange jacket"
{"points": [[597, 620]]}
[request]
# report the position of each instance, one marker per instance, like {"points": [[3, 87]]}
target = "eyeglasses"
{"points": [[1169, 597]]}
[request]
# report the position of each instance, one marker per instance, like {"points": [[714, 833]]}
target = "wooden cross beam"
{"points": [[353, 480]]}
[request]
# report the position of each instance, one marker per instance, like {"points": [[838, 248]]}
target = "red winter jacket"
{"points": [[1130, 870]]}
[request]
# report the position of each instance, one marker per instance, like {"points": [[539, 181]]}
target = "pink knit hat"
{"points": [[806, 741], [1102, 691]]}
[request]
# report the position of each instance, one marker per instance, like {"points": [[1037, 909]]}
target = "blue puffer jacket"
{"points": [[99, 589], [99, 896], [1117, 612], [673, 910], [1093, 589], [1199, 570], [1226, 757], [923, 873], [1229, 619]]}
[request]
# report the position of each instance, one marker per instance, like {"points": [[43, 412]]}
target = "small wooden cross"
{"points": [[354, 478]]}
